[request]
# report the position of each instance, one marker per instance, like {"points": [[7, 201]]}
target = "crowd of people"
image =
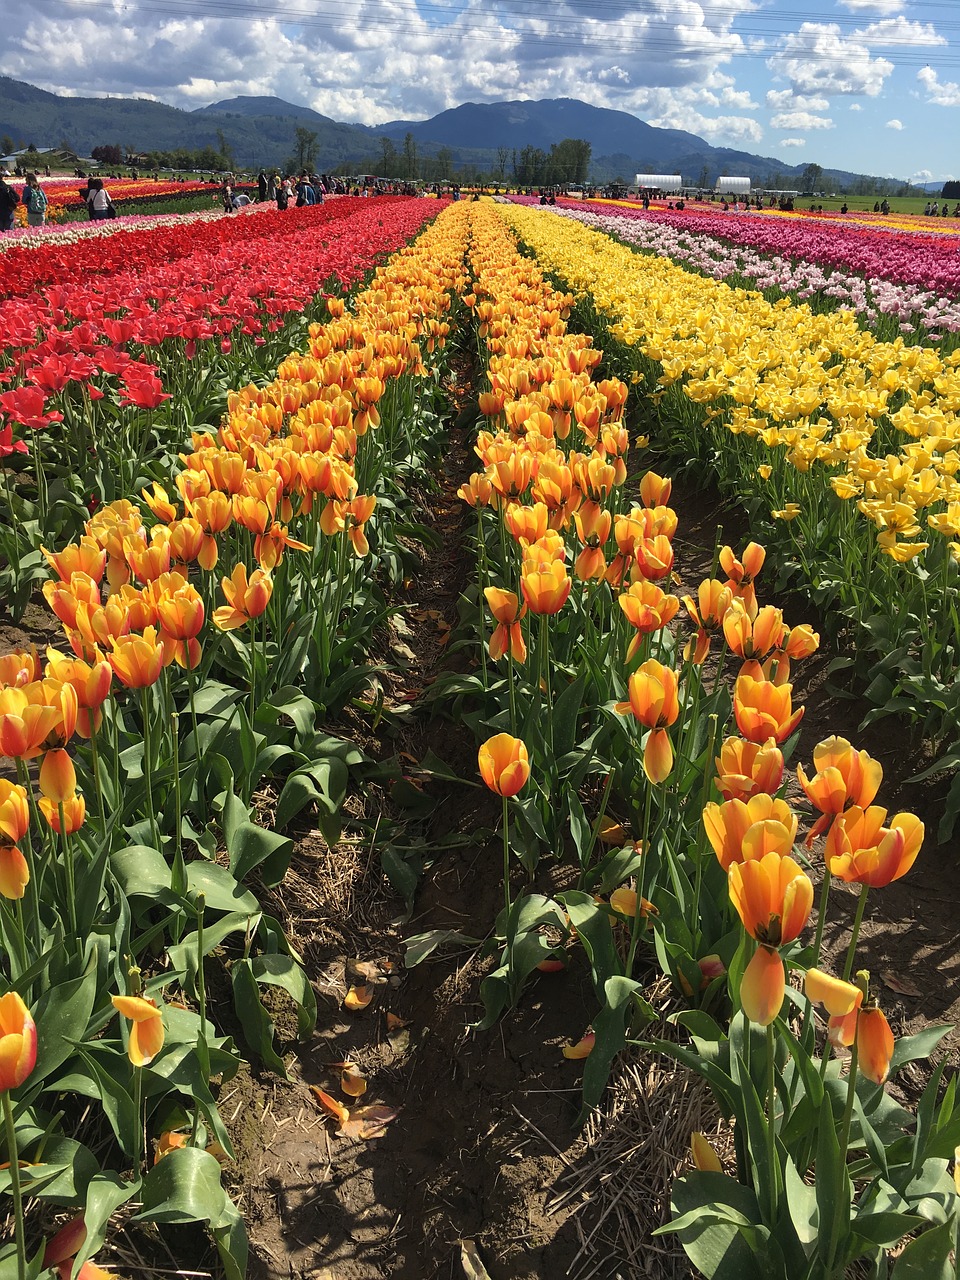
{"points": [[32, 197]]}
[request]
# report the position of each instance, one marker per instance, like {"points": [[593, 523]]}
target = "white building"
{"points": [[659, 182], [733, 186]]}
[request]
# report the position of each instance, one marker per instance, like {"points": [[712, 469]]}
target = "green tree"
{"points": [[225, 149], [410, 167], [7, 144], [812, 178], [389, 160], [444, 168], [502, 155], [305, 149]]}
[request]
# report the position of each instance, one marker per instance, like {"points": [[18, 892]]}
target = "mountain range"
{"points": [[261, 131]]}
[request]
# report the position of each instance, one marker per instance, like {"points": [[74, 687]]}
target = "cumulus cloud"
{"points": [[388, 58], [897, 125], [800, 120], [784, 99], [820, 59], [874, 6], [941, 95], [899, 31], [793, 142], [855, 106]]}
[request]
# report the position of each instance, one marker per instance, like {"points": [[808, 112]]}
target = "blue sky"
{"points": [[866, 85]]}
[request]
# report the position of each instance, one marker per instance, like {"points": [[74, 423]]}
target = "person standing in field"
{"points": [[35, 199], [98, 201], [8, 203]]}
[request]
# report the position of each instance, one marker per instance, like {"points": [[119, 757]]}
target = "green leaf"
{"points": [[141, 871], [106, 1192], [609, 1027], [256, 1022], [62, 1014], [253, 847], [885, 1229], [928, 1256], [706, 1203], [284, 972], [185, 1187], [421, 945], [565, 713], [220, 889]]}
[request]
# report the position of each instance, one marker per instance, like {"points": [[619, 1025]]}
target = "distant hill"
{"points": [[262, 130]]}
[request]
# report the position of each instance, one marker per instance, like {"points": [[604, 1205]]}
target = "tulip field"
{"points": [[406, 780]]}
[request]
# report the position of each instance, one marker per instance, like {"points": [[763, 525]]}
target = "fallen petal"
{"points": [[582, 1049]]}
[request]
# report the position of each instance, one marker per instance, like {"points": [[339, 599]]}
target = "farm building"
{"points": [[733, 186]]}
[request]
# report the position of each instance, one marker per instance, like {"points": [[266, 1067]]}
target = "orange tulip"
{"points": [[146, 1034], [90, 681], [477, 492], [741, 832], [655, 557], [705, 1157], [14, 812], [85, 556], [504, 764], [763, 986], [861, 850], [74, 812], [58, 778], [746, 769], [18, 1042], [508, 634], [19, 668], [269, 546], [64, 598], [137, 661], [98, 626], [148, 563], [843, 777], [648, 609], [653, 695], [545, 587], [246, 599], [773, 897], [707, 614], [764, 710], [742, 573], [655, 490], [14, 872], [874, 1044], [26, 720], [839, 998], [253, 513], [752, 638], [159, 503]]}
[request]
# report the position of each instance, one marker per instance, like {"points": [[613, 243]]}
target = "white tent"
{"points": [[660, 181], [734, 186]]}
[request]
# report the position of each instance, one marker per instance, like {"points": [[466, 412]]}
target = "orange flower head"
{"points": [[90, 680], [58, 778], [593, 525], [180, 612], [743, 830], [800, 642], [159, 503], [246, 599], [655, 490], [764, 710], [504, 764], [745, 769], [545, 586], [705, 1157], [270, 546], [14, 872], [842, 777], [74, 812], [763, 987], [773, 897], [648, 609], [85, 556], [186, 540], [657, 756], [27, 719], [507, 635], [752, 639], [253, 513], [14, 812], [655, 557], [18, 1042], [478, 491], [137, 661], [875, 1044], [146, 1033], [526, 523], [839, 998], [18, 669], [653, 691], [64, 598], [861, 850]]}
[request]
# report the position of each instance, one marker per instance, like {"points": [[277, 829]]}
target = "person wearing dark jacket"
{"points": [[9, 199]]}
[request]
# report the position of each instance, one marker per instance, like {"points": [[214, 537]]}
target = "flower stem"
{"points": [[855, 934], [506, 860], [15, 1191]]}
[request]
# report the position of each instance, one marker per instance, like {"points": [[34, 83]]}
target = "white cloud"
{"points": [[874, 6], [894, 124], [820, 59], [800, 120], [923, 175], [855, 106], [793, 142], [898, 31], [941, 95], [784, 99]]}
